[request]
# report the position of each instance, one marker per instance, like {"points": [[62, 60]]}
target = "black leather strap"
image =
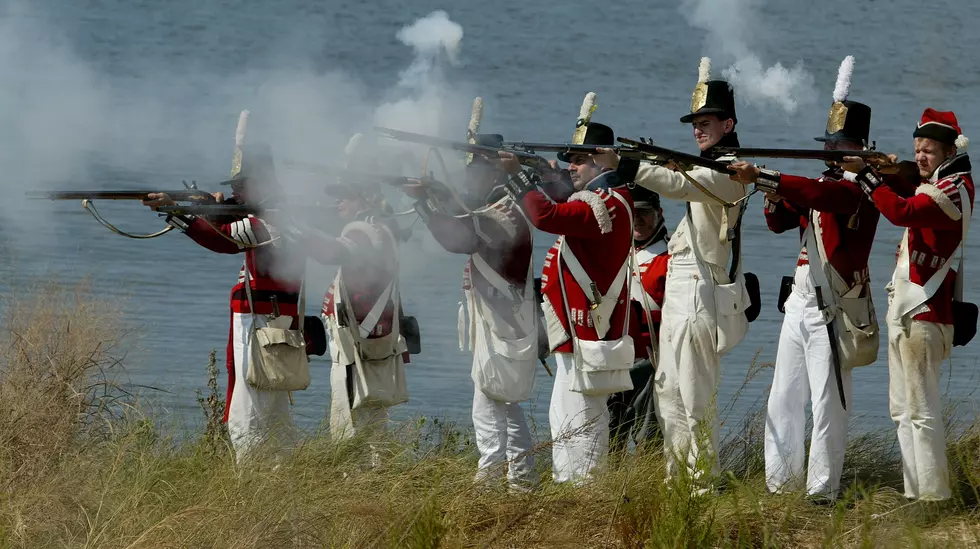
{"points": [[868, 180]]}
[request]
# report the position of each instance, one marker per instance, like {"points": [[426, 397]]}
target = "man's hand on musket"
{"points": [[219, 197], [155, 200], [606, 158], [745, 172], [853, 164], [508, 162], [416, 189]]}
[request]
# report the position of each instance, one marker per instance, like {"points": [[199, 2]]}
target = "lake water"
{"points": [[159, 86]]}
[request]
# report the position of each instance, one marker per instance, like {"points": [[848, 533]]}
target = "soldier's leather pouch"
{"points": [[785, 287], [409, 328], [316, 335], [755, 296], [539, 297], [964, 322]]}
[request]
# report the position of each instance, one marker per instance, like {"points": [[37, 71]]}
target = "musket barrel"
{"points": [[182, 195], [556, 147], [658, 154], [211, 209], [432, 141], [802, 154]]}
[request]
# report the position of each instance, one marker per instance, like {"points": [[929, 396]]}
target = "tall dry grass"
{"points": [[80, 467]]}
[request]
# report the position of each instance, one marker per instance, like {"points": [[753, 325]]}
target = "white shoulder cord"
{"points": [[236, 241]]}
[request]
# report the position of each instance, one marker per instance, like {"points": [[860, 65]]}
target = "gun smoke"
{"points": [[730, 26], [70, 125]]}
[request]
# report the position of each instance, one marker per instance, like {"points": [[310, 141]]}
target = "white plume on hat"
{"points": [[476, 116], [704, 70], [588, 105], [843, 87], [352, 144], [961, 142], [240, 130]]}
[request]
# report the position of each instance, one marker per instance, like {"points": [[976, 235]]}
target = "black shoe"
{"points": [[822, 500]]}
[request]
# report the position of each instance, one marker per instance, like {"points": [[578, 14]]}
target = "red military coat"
{"points": [[932, 214], [598, 230], [835, 200], [502, 237], [367, 254], [651, 264], [273, 272]]}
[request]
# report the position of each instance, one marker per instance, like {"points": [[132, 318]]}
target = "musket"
{"points": [[662, 155], [291, 204], [572, 148], [241, 210], [186, 195], [525, 158], [431, 184], [905, 168], [870, 156]]}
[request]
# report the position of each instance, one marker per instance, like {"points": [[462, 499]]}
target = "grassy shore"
{"points": [[81, 466]]}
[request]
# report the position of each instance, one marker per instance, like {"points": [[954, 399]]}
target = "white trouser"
{"points": [[502, 436], [255, 417], [689, 370], [805, 371], [914, 358], [579, 427]]}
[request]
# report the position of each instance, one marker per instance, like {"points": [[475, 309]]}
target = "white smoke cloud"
{"points": [[64, 120], [730, 25], [43, 127], [430, 37], [423, 100], [788, 88]]}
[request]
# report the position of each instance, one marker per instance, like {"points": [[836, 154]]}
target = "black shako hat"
{"points": [[494, 140], [253, 160], [711, 96], [644, 199], [848, 120], [588, 132], [595, 134], [255, 165]]}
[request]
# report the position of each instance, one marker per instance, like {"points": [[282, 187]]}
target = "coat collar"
{"points": [[958, 164], [606, 180]]}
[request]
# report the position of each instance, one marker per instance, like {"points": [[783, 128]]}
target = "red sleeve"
{"points": [[248, 231], [902, 187], [574, 218], [829, 195], [460, 236], [659, 268], [325, 251], [782, 216], [918, 212], [455, 235]]}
